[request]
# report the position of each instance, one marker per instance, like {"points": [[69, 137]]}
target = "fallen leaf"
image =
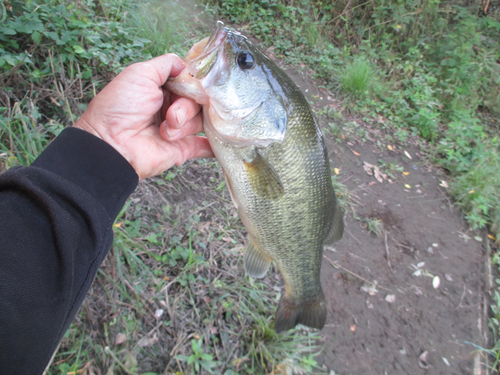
{"points": [[447, 276], [356, 153], [390, 147], [407, 186], [353, 328], [443, 184], [336, 170], [159, 313], [406, 173], [120, 339], [118, 225], [390, 298], [478, 239], [422, 360], [373, 170], [446, 361], [436, 282], [472, 191], [491, 237], [407, 155], [147, 341], [368, 168], [371, 289]]}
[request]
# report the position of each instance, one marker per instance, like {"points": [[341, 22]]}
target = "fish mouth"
{"points": [[200, 61], [203, 55]]}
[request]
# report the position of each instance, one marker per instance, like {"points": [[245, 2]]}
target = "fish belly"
{"points": [[290, 229]]}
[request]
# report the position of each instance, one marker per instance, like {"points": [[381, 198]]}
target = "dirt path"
{"points": [[417, 287]]}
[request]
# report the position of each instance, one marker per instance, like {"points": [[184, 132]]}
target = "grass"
{"points": [[173, 288], [171, 296], [357, 78]]}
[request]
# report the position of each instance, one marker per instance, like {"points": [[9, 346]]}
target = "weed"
{"points": [[393, 170], [357, 78], [374, 225]]}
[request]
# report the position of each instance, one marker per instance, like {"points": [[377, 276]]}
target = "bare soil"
{"points": [[385, 316]]}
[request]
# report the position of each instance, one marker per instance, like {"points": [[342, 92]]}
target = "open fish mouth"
{"points": [[202, 56]]}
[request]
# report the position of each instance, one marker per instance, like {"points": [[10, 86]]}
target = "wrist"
{"points": [[83, 124]]}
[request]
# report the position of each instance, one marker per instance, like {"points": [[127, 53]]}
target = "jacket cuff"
{"points": [[93, 165]]}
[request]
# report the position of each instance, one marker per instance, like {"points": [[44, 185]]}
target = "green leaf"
{"points": [[36, 36], [79, 49]]}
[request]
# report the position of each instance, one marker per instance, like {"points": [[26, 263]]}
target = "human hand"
{"points": [[149, 126]]}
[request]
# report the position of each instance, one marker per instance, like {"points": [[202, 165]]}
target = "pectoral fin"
{"points": [[337, 228], [256, 262], [263, 178]]}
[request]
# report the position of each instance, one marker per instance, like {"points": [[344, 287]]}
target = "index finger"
{"points": [[169, 65]]}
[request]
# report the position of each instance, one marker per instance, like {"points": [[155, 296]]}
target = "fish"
{"points": [[275, 162]]}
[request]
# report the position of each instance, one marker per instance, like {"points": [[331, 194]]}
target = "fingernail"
{"points": [[180, 116], [172, 133]]}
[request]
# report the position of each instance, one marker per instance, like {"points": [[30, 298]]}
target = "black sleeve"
{"points": [[56, 221]]}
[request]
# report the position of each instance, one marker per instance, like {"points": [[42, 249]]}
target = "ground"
{"points": [[409, 299], [406, 287]]}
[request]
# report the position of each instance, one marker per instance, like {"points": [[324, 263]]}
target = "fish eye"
{"points": [[245, 60]]}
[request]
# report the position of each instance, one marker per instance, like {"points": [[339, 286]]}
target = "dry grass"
{"points": [[172, 296]]}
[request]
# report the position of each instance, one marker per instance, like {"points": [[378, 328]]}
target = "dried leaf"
{"points": [[159, 313], [446, 361], [356, 153], [373, 170], [371, 289], [491, 237], [422, 360], [406, 173], [353, 328], [391, 298], [120, 339], [407, 155], [368, 168], [147, 341], [447, 276], [407, 186], [390, 147], [443, 184], [336, 170], [436, 282]]}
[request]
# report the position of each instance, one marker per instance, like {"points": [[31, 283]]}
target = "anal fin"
{"points": [[256, 262], [337, 227]]}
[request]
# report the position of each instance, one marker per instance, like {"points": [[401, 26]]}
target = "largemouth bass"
{"points": [[271, 150]]}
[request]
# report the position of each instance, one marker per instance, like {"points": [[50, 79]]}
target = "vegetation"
{"points": [[170, 294]]}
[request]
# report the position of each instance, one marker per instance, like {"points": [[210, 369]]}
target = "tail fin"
{"points": [[311, 313]]}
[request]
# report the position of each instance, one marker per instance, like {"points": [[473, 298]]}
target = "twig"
{"points": [[336, 265], [387, 252]]}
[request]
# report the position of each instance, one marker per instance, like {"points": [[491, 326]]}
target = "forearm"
{"points": [[56, 221]]}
